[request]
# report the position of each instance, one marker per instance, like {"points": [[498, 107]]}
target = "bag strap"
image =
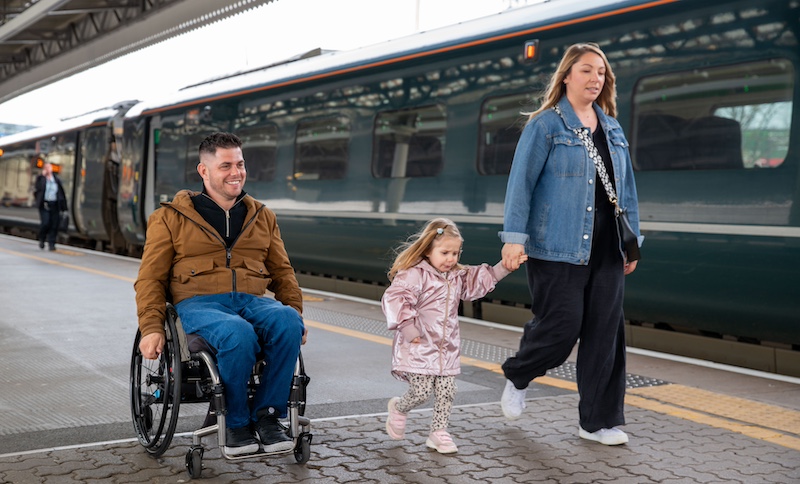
{"points": [[586, 139]]}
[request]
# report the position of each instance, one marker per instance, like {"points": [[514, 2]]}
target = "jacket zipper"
{"points": [[444, 325], [228, 250]]}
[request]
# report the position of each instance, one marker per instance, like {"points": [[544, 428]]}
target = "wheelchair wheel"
{"points": [[302, 451], [194, 462], [155, 391]]}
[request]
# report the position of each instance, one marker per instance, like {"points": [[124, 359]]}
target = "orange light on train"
{"points": [[531, 53], [1, 152]]}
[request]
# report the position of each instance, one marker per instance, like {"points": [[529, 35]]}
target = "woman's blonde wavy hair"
{"points": [[418, 245], [607, 100]]}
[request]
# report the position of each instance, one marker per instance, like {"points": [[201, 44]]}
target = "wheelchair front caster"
{"points": [[194, 462], [302, 451]]}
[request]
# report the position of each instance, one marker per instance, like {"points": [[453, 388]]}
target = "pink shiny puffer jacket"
{"points": [[424, 302]]}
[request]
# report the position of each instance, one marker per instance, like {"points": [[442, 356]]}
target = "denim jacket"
{"points": [[549, 205]]}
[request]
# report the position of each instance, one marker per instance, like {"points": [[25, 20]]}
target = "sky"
{"points": [[261, 36]]}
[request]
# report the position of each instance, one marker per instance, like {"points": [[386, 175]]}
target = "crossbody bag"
{"points": [[624, 229]]}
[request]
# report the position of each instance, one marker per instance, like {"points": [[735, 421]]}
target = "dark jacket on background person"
{"points": [[38, 193], [186, 256]]}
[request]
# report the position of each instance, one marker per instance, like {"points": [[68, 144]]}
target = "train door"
{"points": [[88, 201], [111, 180], [148, 194]]}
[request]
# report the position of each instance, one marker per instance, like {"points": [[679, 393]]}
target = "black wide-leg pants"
{"points": [[572, 302]]}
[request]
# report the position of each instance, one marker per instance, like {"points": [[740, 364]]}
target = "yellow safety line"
{"points": [[768, 435], [735, 408], [68, 266]]}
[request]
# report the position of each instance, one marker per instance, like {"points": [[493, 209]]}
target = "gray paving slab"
{"points": [[542, 446]]}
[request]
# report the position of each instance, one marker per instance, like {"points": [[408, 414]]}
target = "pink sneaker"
{"points": [[441, 441], [396, 421]]}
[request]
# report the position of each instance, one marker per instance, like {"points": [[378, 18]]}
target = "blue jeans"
{"points": [[239, 326]]}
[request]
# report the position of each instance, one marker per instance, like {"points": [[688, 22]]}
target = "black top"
{"points": [[604, 240], [227, 225]]}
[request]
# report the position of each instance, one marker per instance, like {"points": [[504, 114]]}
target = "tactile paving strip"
{"points": [[469, 348]]}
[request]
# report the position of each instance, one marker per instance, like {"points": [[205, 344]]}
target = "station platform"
{"points": [[67, 326]]}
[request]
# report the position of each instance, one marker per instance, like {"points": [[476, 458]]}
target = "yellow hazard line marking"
{"points": [[753, 419], [757, 420], [68, 266]]}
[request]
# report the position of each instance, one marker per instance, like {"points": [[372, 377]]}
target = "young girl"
{"points": [[422, 305]]}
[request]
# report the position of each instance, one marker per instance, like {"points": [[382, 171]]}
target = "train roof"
{"points": [[509, 22], [98, 116]]}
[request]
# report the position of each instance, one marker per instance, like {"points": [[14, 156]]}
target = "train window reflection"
{"points": [[726, 117], [260, 151], [321, 148], [409, 143], [501, 125]]}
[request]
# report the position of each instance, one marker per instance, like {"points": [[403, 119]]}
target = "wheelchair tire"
{"points": [[194, 462], [155, 391], [302, 451]]}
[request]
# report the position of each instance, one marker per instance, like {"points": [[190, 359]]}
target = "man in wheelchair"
{"points": [[215, 253]]}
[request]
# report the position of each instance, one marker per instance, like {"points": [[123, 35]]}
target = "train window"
{"points": [[735, 116], [321, 148], [260, 150], [173, 171], [409, 143], [501, 125]]}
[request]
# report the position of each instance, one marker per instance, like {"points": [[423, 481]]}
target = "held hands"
{"points": [[513, 256]]}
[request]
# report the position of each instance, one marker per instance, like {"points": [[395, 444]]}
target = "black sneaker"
{"points": [[240, 441], [272, 434]]}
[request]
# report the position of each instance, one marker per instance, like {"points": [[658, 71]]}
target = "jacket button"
{"points": [[588, 209], [585, 236], [192, 271]]}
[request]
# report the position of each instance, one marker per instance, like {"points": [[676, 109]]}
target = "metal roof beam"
{"points": [[28, 17]]}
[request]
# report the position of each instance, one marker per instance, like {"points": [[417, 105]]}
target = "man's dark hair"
{"points": [[219, 140]]}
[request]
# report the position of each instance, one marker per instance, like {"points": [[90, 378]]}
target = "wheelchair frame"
{"points": [[159, 387]]}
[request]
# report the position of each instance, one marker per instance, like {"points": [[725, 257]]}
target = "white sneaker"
{"points": [[613, 436], [513, 401]]}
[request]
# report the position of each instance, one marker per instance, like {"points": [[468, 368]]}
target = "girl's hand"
{"points": [[416, 341]]}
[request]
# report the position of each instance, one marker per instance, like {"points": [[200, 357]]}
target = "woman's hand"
{"points": [[513, 256], [630, 267]]}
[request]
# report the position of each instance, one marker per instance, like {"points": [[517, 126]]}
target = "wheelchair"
{"points": [[186, 372]]}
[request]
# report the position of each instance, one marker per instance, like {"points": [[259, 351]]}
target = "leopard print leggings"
{"points": [[420, 388]]}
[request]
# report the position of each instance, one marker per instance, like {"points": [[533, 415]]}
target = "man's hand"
{"points": [[152, 345], [305, 336]]}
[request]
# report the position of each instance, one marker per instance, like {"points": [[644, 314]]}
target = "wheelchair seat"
{"points": [[186, 373]]}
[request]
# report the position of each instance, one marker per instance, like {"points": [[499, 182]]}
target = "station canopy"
{"points": [[43, 41]]}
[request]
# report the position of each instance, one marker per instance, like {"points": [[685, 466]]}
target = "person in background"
{"points": [[51, 201], [421, 304], [558, 212], [215, 253]]}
